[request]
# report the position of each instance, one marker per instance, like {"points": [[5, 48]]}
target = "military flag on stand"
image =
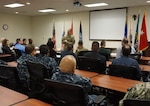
{"points": [[143, 44]]}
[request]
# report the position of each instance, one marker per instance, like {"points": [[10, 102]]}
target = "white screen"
{"points": [[107, 24]]}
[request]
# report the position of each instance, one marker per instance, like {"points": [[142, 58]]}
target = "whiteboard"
{"points": [[107, 24]]}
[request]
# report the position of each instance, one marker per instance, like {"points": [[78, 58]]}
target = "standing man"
{"points": [[68, 39]]}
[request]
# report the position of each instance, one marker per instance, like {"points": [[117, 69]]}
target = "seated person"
{"points": [[22, 65], [48, 62], [126, 60], [104, 51], [7, 50], [66, 74], [119, 49], [19, 46], [80, 47], [95, 54], [139, 91], [69, 51]]}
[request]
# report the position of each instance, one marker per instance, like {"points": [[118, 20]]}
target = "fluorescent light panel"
{"points": [[46, 10], [148, 1], [14, 5], [96, 5]]}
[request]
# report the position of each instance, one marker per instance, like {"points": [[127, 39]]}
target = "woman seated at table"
{"points": [[7, 50]]}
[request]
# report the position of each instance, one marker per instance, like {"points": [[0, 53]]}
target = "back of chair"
{"points": [[81, 53], [9, 77], [37, 73], [136, 102], [91, 64], [18, 53], [136, 56], [123, 71], [65, 94]]}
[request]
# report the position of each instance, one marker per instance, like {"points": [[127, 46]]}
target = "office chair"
{"points": [[37, 73], [91, 64], [136, 102], [136, 56], [9, 77], [18, 53], [66, 94], [123, 71], [107, 56], [81, 53]]}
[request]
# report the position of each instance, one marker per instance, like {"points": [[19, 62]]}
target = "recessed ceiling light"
{"points": [[148, 1], [96, 5], [67, 10], [46, 10], [28, 3], [16, 12], [14, 5]]}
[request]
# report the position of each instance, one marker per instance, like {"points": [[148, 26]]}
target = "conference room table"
{"points": [[145, 58], [32, 102], [144, 68], [9, 97], [86, 74], [113, 83]]}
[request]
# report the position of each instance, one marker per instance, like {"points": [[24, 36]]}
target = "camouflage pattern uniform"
{"points": [[23, 69], [75, 79], [139, 91], [70, 40], [48, 62]]}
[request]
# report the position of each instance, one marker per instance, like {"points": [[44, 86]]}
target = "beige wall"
{"points": [[39, 28], [18, 26]]}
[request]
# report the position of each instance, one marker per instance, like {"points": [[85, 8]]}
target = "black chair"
{"points": [[136, 56], [37, 73], [66, 94], [107, 56], [18, 53], [91, 64], [9, 77], [123, 71], [136, 102], [81, 53]]}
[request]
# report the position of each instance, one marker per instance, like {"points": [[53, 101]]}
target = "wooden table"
{"points": [[113, 83], [145, 68], [12, 64], [86, 74], [32, 102], [10, 97], [145, 58]]}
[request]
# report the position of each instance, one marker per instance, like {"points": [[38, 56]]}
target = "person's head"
{"points": [[44, 49], [70, 47], [18, 41], [30, 41], [24, 40], [103, 43], [68, 64], [80, 43], [5, 42], [69, 32], [95, 46], [126, 50], [29, 49], [124, 41]]}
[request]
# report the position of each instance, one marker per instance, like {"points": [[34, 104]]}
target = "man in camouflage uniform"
{"points": [[66, 74], [68, 39], [139, 91], [49, 62], [22, 65]]}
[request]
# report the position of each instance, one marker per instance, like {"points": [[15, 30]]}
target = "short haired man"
{"points": [[66, 74], [126, 60]]}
